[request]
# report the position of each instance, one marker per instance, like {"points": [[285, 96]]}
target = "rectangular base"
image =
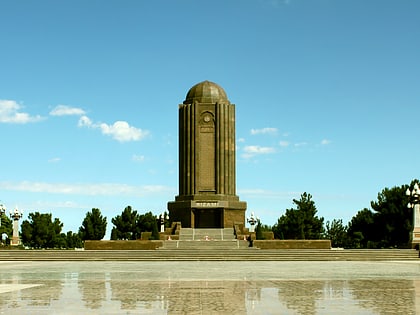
{"points": [[212, 214]]}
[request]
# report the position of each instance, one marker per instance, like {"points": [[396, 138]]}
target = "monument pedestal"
{"points": [[15, 241], [209, 213], [415, 238]]}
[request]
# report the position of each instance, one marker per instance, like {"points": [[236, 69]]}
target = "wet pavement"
{"points": [[207, 287]]}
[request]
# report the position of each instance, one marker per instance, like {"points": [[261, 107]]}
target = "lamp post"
{"points": [[15, 215], [252, 220], [414, 203], [162, 219], [2, 211]]}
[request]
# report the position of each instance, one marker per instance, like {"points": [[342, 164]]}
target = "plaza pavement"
{"points": [[210, 287]]}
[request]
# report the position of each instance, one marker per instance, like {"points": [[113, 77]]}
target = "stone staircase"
{"points": [[206, 239], [214, 254], [211, 245], [189, 234]]}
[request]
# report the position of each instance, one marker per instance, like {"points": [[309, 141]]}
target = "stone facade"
{"points": [[207, 172]]}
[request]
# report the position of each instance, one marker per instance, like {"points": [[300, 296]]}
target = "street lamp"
{"points": [[162, 219], [16, 215], [414, 203], [252, 220]]}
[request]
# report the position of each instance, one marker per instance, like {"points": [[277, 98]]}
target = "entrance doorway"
{"points": [[208, 218]]}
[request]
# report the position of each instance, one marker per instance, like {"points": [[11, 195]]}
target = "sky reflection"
{"points": [[106, 288]]}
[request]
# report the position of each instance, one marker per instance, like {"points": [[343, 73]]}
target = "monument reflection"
{"points": [[105, 288]]}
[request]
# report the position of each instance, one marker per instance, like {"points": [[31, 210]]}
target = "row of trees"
{"points": [[129, 225], [42, 231], [388, 224]]}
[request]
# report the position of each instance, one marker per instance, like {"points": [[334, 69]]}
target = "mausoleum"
{"points": [[207, 161]]}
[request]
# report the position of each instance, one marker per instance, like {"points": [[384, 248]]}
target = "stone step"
{"points": [[205, 245], [240, 254], [190, 234]]}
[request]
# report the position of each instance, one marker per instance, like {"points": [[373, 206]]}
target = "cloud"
{"points": [[256, 149], [300, 144], [104, 189], [284, 143], [64, 110], [10, 113], [252, 150], [325, 142], [85, 121], [122, 131], [54, 160], [119, 130], [138, 158], [267, 130]]}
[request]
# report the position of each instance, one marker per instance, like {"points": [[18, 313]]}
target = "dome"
{"points": [[206, 92]]}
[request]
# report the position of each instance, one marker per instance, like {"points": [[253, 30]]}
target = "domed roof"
{"points": [[206, 92]]}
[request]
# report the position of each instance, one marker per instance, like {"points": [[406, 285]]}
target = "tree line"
{"points": [[40, 230], [387, 224]]}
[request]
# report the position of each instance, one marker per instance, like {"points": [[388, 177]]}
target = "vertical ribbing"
{"points": [[193, 139], [227, 149], [182, 152], [225, 159], [217, 146], [233, 151], [221, 145]]}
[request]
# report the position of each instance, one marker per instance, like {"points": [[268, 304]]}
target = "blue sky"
{"points": [[327, 101]]}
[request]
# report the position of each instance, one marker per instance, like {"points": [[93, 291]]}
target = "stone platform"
{"points": [[211, 254], [209, 287]]}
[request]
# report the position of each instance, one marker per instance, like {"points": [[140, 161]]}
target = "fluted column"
{"points": [[186, 149], [232, 150]]}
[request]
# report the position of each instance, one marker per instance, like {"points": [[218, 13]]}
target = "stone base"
{"points": [[15, 241], [208, 213], [122, 245], [292, 244], [415, 238]]}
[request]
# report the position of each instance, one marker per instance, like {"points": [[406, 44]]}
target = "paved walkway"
{"points": [[210, 287]]}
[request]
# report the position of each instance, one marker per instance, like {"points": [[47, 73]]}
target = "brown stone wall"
{"points": [[122, 245], [232, 217], [292, 244]]}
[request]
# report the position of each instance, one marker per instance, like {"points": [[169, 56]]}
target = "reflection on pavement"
{"points": [[210, 288]]}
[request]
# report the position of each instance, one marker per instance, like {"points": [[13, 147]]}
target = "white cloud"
{"points": [[325, 142], [252, 150], [85, 121], [256, 149], [119, 130], [54, 160], [104, 189], [64, 110], [284, 143], [301, 144], [10, 113], [122, 131], [267, 130], [138, 158]]}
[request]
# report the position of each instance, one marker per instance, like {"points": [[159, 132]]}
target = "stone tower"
{"points": [[207, 175]]}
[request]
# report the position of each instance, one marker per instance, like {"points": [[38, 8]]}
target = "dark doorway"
{"points": [[208, 218]]}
